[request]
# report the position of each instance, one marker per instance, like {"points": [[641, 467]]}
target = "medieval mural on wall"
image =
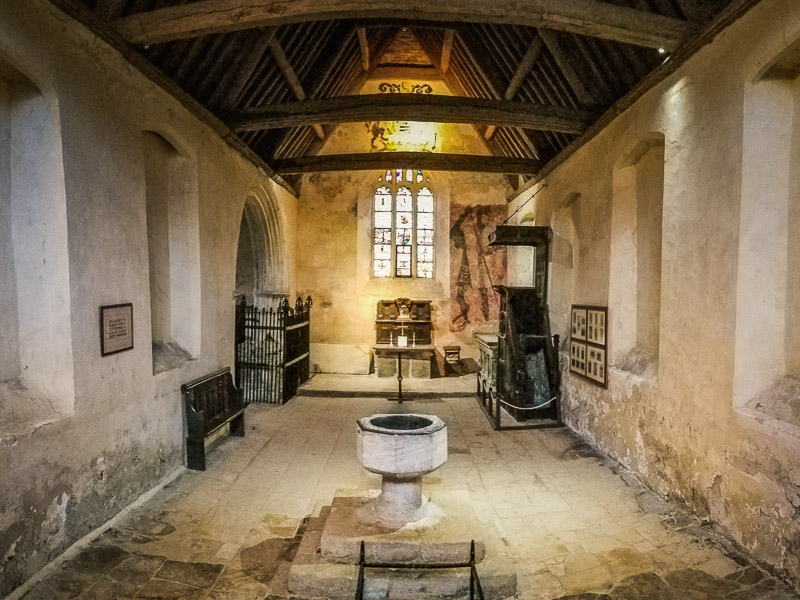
{"points": [[408, 136], [474, 265]]}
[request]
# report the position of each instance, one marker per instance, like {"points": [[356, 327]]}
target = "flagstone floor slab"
{"points": [[572, 524]]}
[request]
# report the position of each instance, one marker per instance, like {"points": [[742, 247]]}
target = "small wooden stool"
{"points": [[452, 358]]}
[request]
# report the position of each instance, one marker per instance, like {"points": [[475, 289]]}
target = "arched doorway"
{"points": [[260, 260], [261, 286]]}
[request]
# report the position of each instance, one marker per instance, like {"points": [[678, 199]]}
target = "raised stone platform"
{"points": [[326, 565], [435, 538]]}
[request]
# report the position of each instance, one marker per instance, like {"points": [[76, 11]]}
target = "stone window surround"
{"points": [[763, 383], [415, 187], [39, 386]]}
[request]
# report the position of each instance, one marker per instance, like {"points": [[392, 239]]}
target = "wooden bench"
{"points": [[211, 403]]}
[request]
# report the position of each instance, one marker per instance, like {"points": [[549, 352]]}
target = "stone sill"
{"points": [[632, 377], [169, 356], [24, 410], [766, 419]]}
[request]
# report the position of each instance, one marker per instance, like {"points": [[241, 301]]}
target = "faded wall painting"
{"points": [[409, 136], [474, 265]]}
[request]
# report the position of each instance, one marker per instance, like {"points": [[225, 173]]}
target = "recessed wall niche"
{"points": [[767, 349], [35, 324], [635, 270], [173, 245]]}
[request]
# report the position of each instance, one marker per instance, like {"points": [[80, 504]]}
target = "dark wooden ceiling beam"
{"points": [[89, 19], [236, 79], [578, 80], [522, 72], [474, 46], [357, 82], [291, 78], [447, 49], [453, 83], [110, 9], [412, 107], [524, 68], [428, 161], [363, 44], [584, 17], [725, 18], [330, 60]]}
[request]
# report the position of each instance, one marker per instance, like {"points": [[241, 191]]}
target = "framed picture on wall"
{"points": [[577, 358], [116, 328], [578, 323], [588, 343], [596, 364], [596, 326]]}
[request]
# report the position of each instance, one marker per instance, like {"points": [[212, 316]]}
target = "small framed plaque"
{"points": [[116, 328]]}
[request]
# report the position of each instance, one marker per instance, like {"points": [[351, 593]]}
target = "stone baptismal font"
{"points": [[401, 449], [399, 527]]}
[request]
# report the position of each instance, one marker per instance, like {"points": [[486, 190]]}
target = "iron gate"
{"points": [[272, 350]]}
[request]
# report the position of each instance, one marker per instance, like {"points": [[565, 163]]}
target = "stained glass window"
{"points": [[403, 216], [382, 241], [425, 233]]}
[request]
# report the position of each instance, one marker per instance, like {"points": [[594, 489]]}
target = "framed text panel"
{"points": [[578, 323], [596, 326], [116, 328], [588, 343], [596, 364], [577, 360]]}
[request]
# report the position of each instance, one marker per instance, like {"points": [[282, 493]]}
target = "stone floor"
{"points": [[576, 526]]}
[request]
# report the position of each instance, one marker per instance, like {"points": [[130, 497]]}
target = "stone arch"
{"points": [[261, 274], [172, 136], [637, 149]]}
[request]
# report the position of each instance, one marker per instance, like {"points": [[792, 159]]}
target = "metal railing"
{"points": [[475, 589], [272, 350]]}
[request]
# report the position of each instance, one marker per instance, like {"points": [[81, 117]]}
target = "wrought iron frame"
{"points": [[281, 363], [474, 580]]}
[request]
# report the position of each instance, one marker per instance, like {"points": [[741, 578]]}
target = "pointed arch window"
{"points": [[403, 225]]}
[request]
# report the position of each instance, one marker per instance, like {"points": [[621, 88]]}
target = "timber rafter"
{"points": [[428, 161], [584, 17], [538, 54], [412, 107]]}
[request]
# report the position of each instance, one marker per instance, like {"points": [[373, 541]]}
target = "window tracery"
{"points": [[403, 225]]}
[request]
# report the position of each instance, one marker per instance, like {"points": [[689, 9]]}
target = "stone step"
{"points": [[312, 577], [332, 581], [432, 584]]}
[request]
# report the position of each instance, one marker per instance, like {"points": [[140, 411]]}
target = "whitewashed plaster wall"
{"points": [[680, 428], [335, 248], [64, 475]]}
